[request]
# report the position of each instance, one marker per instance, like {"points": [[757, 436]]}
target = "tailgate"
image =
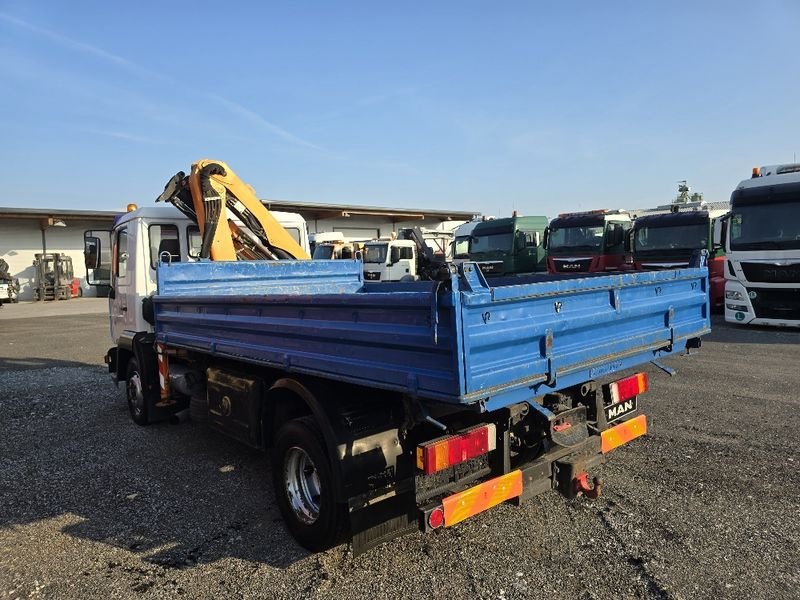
{"points": [[543, 335]]}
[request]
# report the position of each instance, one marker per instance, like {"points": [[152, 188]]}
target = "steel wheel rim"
{"points": [[135, 395], [302, 485]]}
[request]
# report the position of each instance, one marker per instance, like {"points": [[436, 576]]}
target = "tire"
{"points": [[134, 393], [198, 408], [304, 488]]}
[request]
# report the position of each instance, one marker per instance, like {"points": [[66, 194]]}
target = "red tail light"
{"points": [[436, 518], [445, 452], [629, 387]]}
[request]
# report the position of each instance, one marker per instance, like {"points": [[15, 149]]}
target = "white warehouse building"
{"points": [[25, 232]]}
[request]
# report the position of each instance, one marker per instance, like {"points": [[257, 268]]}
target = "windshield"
{"points": [[492, 242], [773, 226], [375, 253], [461, 247], [323, 252], [683, 237], [576, 238]]}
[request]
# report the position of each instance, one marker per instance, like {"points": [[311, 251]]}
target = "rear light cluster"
{"points": [[451, 450], [628, 388]]}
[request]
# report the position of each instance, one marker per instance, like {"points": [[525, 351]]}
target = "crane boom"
{"points": [[211, 193]]}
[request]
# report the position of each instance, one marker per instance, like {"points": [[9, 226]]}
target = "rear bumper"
{"points": [[559, 469]]}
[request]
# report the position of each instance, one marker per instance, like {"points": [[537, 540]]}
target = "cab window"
{"points": [[194, 241], [164, 244], [121, 253], [295, 233]]}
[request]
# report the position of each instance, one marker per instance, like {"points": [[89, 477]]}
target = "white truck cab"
{"points": [[390, 260], [140, 240], [762, 244]]}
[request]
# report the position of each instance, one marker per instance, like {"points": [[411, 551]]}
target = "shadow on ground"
{"points": [[173, 495]]}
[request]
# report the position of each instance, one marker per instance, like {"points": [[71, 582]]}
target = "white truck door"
{"points": [[122, 279]]}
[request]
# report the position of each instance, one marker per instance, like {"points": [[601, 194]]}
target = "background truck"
{"points": [[587, 242], [509, 246], [762, 241], [334, 246], [385, 407], [667, 237], [414, 254]]}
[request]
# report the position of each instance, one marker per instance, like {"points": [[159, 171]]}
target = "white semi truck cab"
{"points": [[415, 254], [390, 260], [762, 241]]}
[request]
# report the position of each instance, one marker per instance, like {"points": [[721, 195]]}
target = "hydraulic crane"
{"points": [[208, 195]]}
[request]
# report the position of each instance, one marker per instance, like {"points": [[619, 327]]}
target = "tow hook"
{"points": [[582, 486]]}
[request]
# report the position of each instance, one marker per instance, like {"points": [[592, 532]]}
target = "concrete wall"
{"points": [[20, 239]]}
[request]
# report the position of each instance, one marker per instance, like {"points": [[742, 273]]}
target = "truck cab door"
{"points": [[402, 263], [122, 282]]}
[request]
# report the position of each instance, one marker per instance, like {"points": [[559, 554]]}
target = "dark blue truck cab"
{"points": [[391, 407]]}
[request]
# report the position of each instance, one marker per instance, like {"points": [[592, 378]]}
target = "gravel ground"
{"points": [[94, 507]]}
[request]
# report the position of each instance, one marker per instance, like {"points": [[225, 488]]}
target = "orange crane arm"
{"points": [[217, 194]]}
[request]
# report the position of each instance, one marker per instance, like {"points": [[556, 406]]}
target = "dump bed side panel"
{"points": [[312, 317], [467, 343], [545, 336]]}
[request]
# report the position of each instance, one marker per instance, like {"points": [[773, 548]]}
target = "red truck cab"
{"points": [[587, 242]]}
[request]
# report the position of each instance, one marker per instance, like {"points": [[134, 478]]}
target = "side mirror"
{"points": [[720, 231], [546, 236], [628, 243], [617, 235], [522, 241], [91, 252], [394, 255]]}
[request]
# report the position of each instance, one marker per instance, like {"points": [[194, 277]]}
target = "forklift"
{"points": [[54, 277]]}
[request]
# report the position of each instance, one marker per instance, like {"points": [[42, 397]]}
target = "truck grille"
{"points": [[771, 272], [580, 265], [775, 303]]}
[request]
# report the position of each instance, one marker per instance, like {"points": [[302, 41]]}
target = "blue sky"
{"points": [[539, 107]]}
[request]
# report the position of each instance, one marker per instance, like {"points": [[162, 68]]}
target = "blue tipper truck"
{"points": [[403, 406]]}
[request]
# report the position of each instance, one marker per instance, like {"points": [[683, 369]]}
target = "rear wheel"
{"points": [[134, 393], [304, 488]]}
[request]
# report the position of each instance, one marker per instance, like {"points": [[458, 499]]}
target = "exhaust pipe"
{"points": [[179, 417]]}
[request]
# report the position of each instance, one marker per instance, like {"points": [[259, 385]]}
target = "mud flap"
{"points": [[383, 521]]}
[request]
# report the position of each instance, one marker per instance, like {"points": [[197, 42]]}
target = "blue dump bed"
{"points": [[470, 341]]}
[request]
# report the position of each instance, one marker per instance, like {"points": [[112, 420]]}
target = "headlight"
{"points": [[733, 295], [738, 307]]}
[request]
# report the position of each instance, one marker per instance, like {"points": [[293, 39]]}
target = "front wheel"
{"points": [[134, 393], [304, 488]]}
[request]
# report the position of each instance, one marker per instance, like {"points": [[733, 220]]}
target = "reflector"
{"points": [[622, 434], [436, 518], [481, 497]]}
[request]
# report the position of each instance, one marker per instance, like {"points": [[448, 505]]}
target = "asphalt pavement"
{"points": [[92, 506]]}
